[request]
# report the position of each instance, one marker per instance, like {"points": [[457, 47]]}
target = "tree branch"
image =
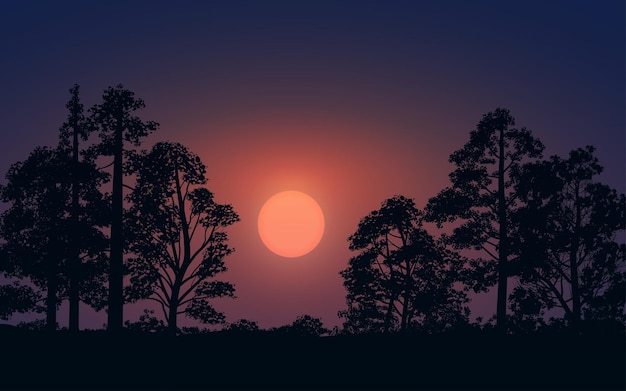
{"points": [[495, 258], [195, 225], [192, 286], [107, 166], [204, 244]]}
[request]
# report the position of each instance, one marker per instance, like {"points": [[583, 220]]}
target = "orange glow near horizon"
{"points": [[291, 224]]}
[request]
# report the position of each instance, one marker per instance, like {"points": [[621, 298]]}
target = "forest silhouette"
{"points": [[102, 219]]}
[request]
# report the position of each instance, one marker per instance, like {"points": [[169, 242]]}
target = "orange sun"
{"points": [[291, 224]]}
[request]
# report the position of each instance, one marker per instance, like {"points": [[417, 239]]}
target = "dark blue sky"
{"points": [[350, 101]]}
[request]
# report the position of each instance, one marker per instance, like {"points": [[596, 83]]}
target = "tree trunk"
{"points": [[185, 257], [503, 246], [51, 299], [573, 260], [389, 316], [172, 316], [75, 252], [184, 224], [115, 310], [405, 305]]}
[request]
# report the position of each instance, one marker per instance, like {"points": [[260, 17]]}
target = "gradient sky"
{"points": [[350, 102]]}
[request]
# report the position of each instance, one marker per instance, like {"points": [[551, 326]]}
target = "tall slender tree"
{"points": [[84, 181], [568, 255], [177, 232], [118, 126], [482, 196]]}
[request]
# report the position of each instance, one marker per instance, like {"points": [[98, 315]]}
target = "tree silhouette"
{"points": [[402, 278], [83, 180], [117, 125], [482, 197], [38, 228], [33, 246], [177, 231], [568, 255]]}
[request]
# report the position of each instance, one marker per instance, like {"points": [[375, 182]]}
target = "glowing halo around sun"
{"points": [[291, 224]]}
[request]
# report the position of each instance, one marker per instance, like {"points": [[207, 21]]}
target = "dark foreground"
{"points": [[263, 361]]}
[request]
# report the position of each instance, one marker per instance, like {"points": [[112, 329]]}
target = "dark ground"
{"points": [[477, 361]]}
